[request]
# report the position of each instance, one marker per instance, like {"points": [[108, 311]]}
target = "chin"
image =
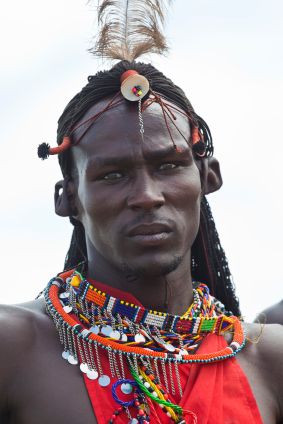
{"points": [[153, 269]]}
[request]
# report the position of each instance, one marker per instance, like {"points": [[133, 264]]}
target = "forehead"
{"points": [[117, 132]]}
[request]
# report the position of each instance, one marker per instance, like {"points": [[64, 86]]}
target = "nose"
{"points": [[145, 193]]}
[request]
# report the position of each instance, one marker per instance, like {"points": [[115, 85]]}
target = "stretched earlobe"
{"points": [[210, 175], [64, 198]]}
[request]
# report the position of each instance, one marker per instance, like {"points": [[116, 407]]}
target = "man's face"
{"points": [[138, 200]]}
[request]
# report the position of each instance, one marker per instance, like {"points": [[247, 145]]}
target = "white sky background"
{"points": [[227, 56]]}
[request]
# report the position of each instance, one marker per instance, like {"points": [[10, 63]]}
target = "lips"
{"points": [[150, 234], [149, 229]]}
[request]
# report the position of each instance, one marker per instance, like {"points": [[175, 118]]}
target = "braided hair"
{"points": [[209, 263]]}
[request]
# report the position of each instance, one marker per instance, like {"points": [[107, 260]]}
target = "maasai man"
{"points": [[128, 332]]}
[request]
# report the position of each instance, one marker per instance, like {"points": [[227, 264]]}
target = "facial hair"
{"points": [[133, 273]]}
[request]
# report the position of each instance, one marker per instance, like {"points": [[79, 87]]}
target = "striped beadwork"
{"points": [[207, 324]]}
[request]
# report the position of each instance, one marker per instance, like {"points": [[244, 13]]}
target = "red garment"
{"points": [[218, 393]]}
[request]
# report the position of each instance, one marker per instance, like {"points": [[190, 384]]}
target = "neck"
{"points": [[170, 293]]}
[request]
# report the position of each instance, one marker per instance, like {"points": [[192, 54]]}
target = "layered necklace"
{"points": [[147, 345]]}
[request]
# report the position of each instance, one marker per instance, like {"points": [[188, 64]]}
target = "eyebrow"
{"points": [[126, 160]]}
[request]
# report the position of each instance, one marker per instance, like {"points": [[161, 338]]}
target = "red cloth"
{"points": [[218, 393]]}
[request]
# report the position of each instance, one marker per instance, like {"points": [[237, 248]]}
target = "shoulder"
{"points": [[19, 328], [273, 314], [266, 341], [16, 316], [265, 351], [23, 329], [18, 323]]}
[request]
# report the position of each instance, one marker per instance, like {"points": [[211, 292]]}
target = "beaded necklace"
{"points": [[148, 343]]}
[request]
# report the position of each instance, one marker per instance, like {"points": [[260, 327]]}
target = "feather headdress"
{"points": [[130, 28]]}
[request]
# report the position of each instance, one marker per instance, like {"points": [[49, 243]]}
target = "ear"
{"points": [[210, 175], [64, 198]]}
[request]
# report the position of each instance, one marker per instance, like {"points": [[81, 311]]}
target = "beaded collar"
{"points": [[92, 323], [194, 321]]}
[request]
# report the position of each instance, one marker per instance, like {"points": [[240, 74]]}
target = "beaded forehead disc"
{"points": [[133, 85]]}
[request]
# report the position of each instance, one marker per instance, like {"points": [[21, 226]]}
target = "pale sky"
{"points": [[226, 55]]}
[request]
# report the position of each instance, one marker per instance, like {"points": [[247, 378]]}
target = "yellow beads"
{"points": [[75, 282]]}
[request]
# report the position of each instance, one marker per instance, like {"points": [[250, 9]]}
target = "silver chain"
{"points": [[178, 378], [92, 363], [85, 348], [171, 378], [70, 344], [81, 351], [98, 359], [111, 362], [116, 366], [156, 369], [122, 364], [164, 374], [74, 344], [141, 118]]}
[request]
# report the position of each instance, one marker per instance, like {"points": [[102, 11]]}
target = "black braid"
{"points": [[209, 263]]}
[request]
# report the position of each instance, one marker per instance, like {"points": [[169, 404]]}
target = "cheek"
{"points": [[97, 210], [186, 190], [187, 196], [89, 206]]}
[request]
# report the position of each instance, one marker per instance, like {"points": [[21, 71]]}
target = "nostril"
{"points": [[146, 192], [146, 206], [145, 201]]}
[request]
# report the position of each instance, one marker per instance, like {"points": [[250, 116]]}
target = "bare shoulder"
{"points": [[269, 337], [265, 351], [19, 327], [273, 314], [266, 342]]}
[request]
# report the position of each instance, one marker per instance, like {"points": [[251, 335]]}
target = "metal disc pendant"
{"points": [[133, 421], [65, 354], [104, 380], [92, 374], [139, 338], [124, 338], [169, 347], [126, 388], [85, 332], [64, 295], [106, 330], [115, 335], [67, 309], [72, 360], [84, 367], [94, 329]]}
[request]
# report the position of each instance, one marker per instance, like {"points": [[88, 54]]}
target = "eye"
{"points": [[113, 176], [168, 166]]}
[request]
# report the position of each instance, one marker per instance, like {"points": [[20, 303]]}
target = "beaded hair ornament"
{"points": [[134, 87], [128, 41]]}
